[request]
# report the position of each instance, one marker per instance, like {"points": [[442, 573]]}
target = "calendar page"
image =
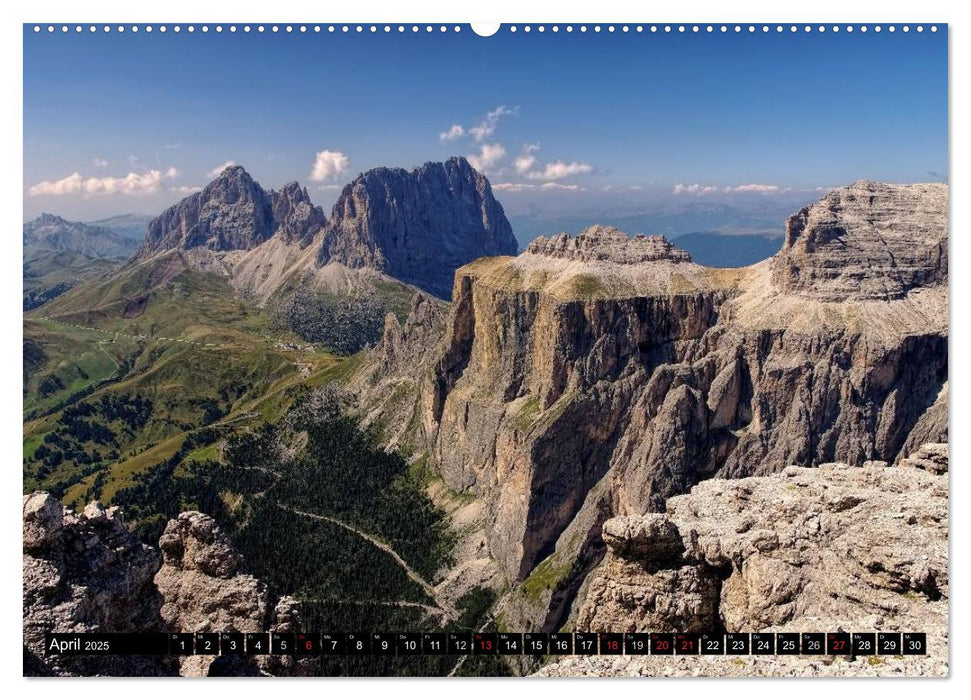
{"points": [[432, 349]]}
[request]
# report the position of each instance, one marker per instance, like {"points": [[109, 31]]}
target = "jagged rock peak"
{"points": [[233, 212], [46, 218], [203, 589], [607, 244], [418, 225], [295, 215], [869, 240], [193, 541], [84, 572]]}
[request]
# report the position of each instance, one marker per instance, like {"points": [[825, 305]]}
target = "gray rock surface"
{"points": [[811, 549], [87, 573], [418, 226], [931, 457], [867, 241], [233, 212], [562, 391], [295, 217], [203, 590], [609, 244]]}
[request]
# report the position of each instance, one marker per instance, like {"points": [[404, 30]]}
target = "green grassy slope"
{"points": [[48, 274], [171, 341]]}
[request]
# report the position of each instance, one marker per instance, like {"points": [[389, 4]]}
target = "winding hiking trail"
{"points": [[443, 606]]}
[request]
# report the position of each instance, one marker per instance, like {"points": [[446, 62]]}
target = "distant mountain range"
{"points": [[129, 225], [717, 234], [332, 281], [59, 254], [720, 250], [416, 226], [53, 233]]}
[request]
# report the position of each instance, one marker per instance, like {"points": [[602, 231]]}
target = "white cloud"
{"points": [[186, 189], [328, 165], [763, 189], [100, 163], [488, 156], [529, 166], [622, 188], [528, 186], [558, 170], [729, 189], [219, 168], [67, 185], [694, 189], [487, 127], [453, 134], [524, 163], [132, 183], [559, 186]]}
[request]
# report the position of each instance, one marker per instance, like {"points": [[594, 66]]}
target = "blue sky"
{"points": [[131, 122]]}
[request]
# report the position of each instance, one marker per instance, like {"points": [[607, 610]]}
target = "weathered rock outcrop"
{"points": [[84, 572], [646, 584], [867, 241], [572, 385], [608, 244], [87, 573], [234, 213], [418, 226], [810, 549], [203, 590], [931, 457]]}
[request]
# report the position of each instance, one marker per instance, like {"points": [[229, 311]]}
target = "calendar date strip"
{"points": [[484, 643]]}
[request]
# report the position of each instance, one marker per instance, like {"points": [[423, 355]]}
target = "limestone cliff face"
{"points": [[85, 572], [867, 241], [599, 376], [418, 226], [835, 547]]}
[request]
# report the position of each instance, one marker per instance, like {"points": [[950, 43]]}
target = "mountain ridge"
{"points": [[53, 233], [564, 391], [416, 226]]}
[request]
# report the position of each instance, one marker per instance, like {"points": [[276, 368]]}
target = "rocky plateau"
{"points": [[599, 376], [835, 548]]}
